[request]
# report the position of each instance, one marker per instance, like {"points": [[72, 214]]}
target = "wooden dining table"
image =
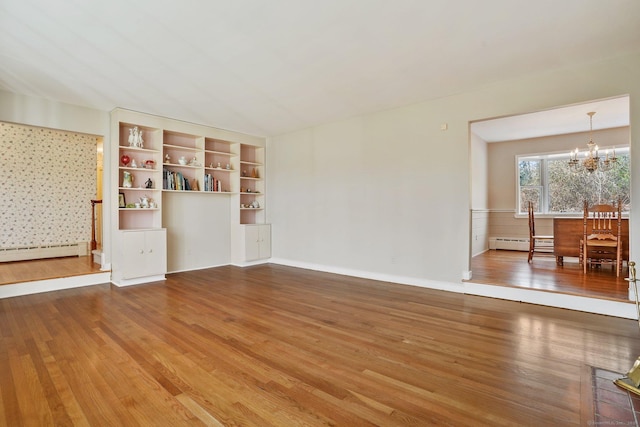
{"points": [[567, 233]]}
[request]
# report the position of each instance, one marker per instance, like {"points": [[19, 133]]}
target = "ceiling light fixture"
{"points": [[592, 161]]}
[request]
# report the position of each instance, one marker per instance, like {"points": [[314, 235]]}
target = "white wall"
{"points": [[388, 194], [198, 230], [479, 172], [479, 164], [51, 114], [372, 194]]}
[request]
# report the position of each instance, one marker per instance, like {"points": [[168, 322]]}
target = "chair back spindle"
{"points": [[602, 235]]}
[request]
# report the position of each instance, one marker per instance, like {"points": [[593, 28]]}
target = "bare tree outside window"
{"points": [[530, 183], [550, 183]]}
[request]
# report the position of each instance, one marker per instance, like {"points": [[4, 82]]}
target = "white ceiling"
{"points": [[269, 67], [610, 113]]}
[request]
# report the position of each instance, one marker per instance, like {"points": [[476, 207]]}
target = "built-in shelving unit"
{"points": [[219, 162], [252, 189], [142, 166], [197, 163], [178, 167], [139, 241]]}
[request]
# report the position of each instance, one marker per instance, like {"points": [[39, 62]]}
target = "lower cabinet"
{"points": [[144, 254], [257, 241]]}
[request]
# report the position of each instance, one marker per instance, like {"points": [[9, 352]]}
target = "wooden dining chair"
{"points": [[601, 237], [536, 244]]}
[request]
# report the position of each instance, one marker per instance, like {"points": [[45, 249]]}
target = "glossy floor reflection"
{"points": [[510, 268], [43, 269]]}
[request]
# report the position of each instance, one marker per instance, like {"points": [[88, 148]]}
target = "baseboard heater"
{"points": [[514, 243], [43, 251]]}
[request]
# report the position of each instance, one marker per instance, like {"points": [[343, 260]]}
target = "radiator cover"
{"points": [[514, 243], [45, 251]]}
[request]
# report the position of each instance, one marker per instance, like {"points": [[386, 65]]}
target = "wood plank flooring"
{"points": [[510, 268], [49, 268], [278, 346]]}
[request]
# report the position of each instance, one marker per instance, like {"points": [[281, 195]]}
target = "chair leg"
{"points": [[531, 246]]}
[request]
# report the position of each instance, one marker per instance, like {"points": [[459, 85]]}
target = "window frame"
{"points": [[544, 179]]}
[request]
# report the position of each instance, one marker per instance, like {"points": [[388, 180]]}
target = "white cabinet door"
{"points": [[257, 241], [132, 254], [265, 241], [156, 251], [143, 253]]}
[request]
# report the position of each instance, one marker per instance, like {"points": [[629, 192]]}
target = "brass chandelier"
{"points": [[592, 160]]}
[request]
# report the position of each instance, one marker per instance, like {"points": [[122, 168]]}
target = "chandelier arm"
{"points": [[592, 161]]}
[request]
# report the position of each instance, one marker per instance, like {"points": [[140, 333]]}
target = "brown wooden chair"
{"points": [[535, 240], [601, 237]]}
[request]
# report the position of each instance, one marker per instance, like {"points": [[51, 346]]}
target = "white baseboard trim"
{"points": [[197, 268], [28, 288], [250, 263], [625, 310], [138, 281], [403, 280]]}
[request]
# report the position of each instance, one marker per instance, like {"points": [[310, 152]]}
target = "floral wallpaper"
{"points": [[47, 181]]}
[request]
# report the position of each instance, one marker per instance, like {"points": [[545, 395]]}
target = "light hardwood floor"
{"points": [[273, 345], [48, 268], [510, 268]]}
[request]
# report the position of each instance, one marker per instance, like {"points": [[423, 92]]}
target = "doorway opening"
{"points": [[52, 179], [496, 216]]}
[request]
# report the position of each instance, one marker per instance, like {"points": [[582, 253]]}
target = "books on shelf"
{"points": [[174, 181], [211, 183]]}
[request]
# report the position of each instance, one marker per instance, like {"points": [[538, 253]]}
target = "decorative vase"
{"points": [[125, 159], [127, 179]]}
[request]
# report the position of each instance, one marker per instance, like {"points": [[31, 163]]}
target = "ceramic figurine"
{"points": [[139, 141], [127, 179], [135, 137]]}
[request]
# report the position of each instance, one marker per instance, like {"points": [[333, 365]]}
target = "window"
{"points": [[548, 182]]}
